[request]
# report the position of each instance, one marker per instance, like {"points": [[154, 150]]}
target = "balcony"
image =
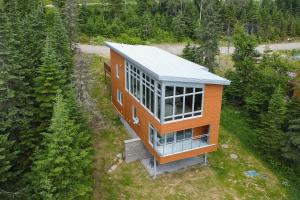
{"points": [[187, 144]]}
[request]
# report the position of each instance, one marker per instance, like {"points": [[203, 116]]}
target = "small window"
{"points": [[134, 114], [119, 97], [118, 70]]}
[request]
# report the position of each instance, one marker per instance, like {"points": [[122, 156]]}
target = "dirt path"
{"points": [[83, 80], [178, 48]]}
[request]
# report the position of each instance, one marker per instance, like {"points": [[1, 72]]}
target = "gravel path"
{"points": [[177, 48]]}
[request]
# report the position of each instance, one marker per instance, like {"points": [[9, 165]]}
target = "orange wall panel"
{"points": [[211, 114]]}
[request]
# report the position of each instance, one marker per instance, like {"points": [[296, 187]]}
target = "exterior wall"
{"points": [[211, 114]]}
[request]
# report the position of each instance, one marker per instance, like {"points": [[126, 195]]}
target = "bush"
{"points": [[83, 38], [124, 38], [99, 40]]}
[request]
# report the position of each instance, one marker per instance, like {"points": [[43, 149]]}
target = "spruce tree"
{"points": [[60, 42], [50, 79], [244, 65], [209, 33], [62, 168], [270, 135], [7, 157], [70, 14], [14, 99], [291, 149]]}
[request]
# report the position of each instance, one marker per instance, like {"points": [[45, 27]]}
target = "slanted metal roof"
{"points": [[165, 66]]}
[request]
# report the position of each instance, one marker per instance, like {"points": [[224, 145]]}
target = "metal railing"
{"points": [[182, 145]]}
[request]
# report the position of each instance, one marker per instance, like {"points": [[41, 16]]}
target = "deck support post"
{"points": [[205, 159]]}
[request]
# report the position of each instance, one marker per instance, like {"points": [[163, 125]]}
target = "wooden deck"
{"points": [[107, 69]]}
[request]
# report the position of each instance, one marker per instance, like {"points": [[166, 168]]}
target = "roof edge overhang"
{"points": [[190, 80], [168, 78]]}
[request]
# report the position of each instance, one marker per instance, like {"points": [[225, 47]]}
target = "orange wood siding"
{"points": [[211, 114], [200, 130]]}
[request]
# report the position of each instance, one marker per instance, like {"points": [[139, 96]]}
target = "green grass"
{"points": [[223, 179]]}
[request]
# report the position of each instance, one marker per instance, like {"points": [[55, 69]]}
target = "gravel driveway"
{"points": [[177, 48]]}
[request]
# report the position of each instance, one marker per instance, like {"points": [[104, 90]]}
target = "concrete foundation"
{"points": [[173, 166], [135, 150]]}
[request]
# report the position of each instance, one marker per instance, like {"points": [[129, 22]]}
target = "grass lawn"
{"points": [[223, 179]]}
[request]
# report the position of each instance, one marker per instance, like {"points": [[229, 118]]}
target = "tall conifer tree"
{"points": [[62, 166], [271, 135], [50, 79]]}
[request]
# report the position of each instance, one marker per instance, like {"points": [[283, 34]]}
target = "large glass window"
{"points": [[144, 88], [182, 102]]}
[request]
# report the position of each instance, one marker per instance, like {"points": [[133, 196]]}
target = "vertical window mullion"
{"points": [[174, 94], [183, 112], [155, 98], [141, 87], [193, 102]]}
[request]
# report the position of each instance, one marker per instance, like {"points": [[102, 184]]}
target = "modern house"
{"points": [[172, 104]]}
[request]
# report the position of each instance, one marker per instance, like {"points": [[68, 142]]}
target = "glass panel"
{"points": [[127, 79], [196, 114], [138, 89], [169, 91], [151, 135], [144, 94], [198, 89], [132, 82], [168, 119], [179, 135], [152, 102], [188, 115], [161, 140], [158, 86], [170, 137], [179, 90], [178, 105], [169, 107], [147, 97], [158, 107], [179, 117], [198, 102], [188, 90], [134, 112], [188, 133], [188, 103]]}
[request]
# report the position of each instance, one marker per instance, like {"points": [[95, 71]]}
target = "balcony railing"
{"points": [[182, 145]]}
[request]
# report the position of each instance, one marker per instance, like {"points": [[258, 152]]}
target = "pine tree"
{"points": [[244, 65], [60, 42], [14, 99], [209, 33], [291, 149], [7, 157], [71, 20], [50, 79], [270, 135], [62, 168]]}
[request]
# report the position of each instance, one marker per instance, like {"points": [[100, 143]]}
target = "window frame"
{"points": [[148, 93], [120, 97], [184, 116]]}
